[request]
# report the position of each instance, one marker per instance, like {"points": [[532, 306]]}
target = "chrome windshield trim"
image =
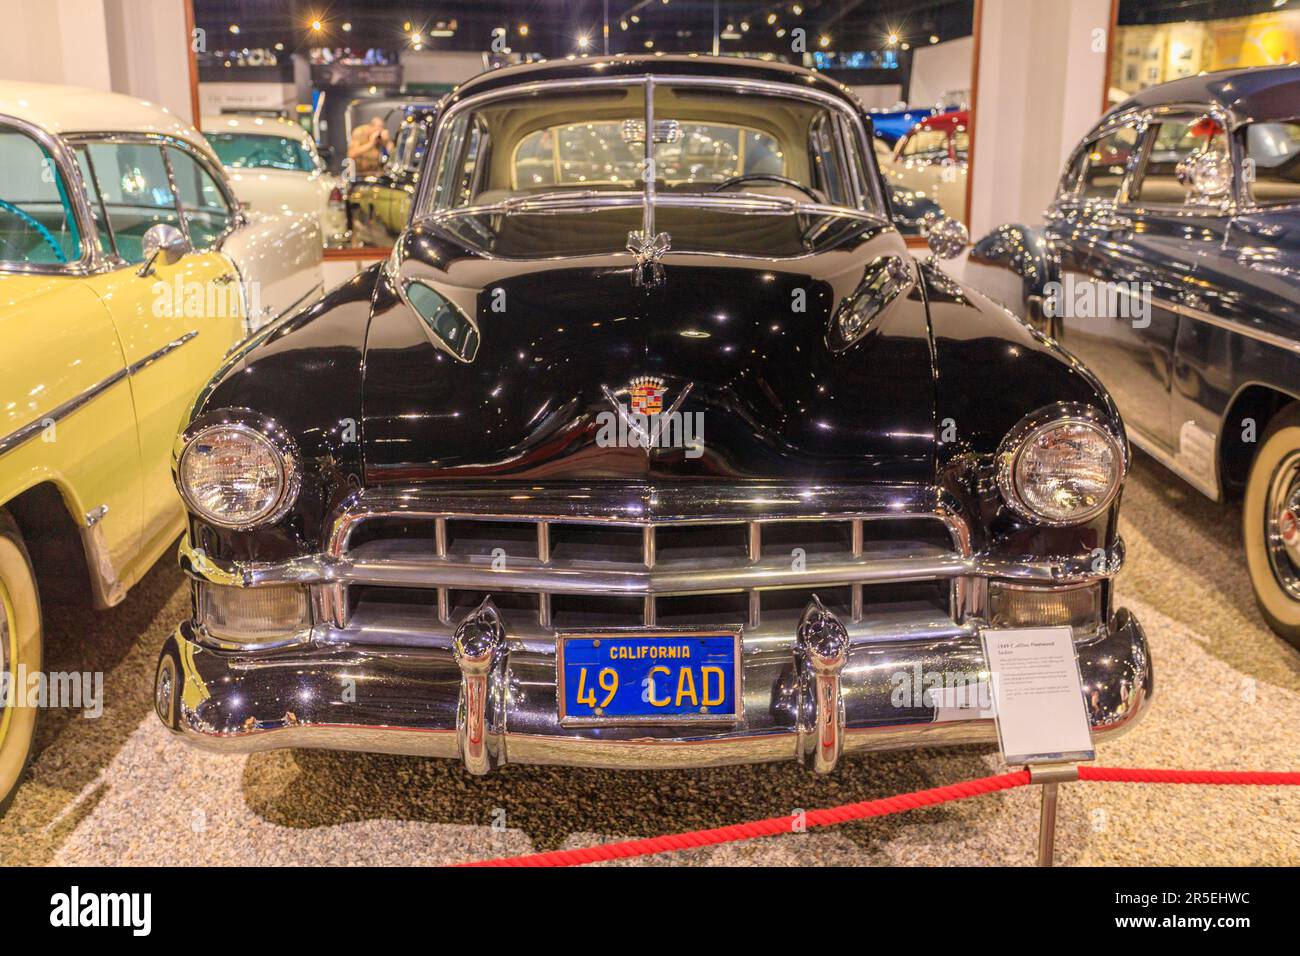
{"points": [[92, 260], [60, 412], [421, 208], [740, 203]]}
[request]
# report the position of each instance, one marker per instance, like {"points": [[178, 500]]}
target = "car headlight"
{"points": [[235, 475], [1061, 466]]}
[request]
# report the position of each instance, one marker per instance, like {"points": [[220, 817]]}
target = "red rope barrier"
{"points": [[774, 826], [1240, 778], [769, 827]]}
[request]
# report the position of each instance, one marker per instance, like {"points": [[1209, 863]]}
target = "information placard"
{"points": [[1038, 695]]}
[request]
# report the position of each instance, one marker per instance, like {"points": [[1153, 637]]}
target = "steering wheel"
{"points": [[36, 224], [771, 178], [262, 156]]}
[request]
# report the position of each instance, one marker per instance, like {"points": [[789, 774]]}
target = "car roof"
{"points": [[944, 122], [78, 109], [255, 125], [1250, 94], [687, 64]]}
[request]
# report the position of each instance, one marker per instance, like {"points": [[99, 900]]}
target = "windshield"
{"points": [[259, 151], [37, 224], [707, 142]]}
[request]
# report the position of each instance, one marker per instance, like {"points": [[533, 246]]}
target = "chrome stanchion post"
{"points": [[1050, 776]]}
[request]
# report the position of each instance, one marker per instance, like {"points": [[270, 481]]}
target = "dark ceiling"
{"points": [[553, 27]]}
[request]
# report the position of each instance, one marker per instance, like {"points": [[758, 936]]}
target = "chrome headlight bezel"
{"points": [[266, 432], [1030, 429]]}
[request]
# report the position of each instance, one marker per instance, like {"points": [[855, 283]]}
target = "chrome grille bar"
{"points": [[544, 557], [440, 548]]}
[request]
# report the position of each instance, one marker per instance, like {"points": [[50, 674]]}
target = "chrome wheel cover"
{"points": [[1282, 524]]}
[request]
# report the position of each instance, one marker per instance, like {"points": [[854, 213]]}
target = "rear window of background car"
{"points": [[1273, 151], [37, 224]]}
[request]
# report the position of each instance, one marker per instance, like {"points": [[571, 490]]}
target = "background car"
{"points": [[1170, 264], [127, 275], [933, 160], [274, 167]]}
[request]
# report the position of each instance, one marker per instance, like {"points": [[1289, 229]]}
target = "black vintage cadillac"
{"points": [[1170, 264], [650, 445]]}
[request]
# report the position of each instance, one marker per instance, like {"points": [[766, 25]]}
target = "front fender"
{"points": [[279, 262], [1013, 265]]}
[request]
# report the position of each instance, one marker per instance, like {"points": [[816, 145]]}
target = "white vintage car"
{"points": [[275, 168]]}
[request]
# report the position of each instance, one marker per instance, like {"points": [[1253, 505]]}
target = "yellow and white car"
{"points": [[275, 168], [128, 273]]}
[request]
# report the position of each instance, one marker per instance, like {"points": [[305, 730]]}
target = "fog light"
{"points": [[253, 615], [1016, 605]]}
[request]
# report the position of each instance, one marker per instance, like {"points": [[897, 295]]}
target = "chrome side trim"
{"points": [[60, 412], [1153, 448], [1200, 315]]}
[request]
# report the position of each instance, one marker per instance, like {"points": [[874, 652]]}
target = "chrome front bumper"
{"points": [[490, 700]]}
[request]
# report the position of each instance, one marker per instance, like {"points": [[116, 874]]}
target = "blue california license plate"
{"points": [[649, 676]]}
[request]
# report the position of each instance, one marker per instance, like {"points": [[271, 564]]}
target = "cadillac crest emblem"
{"points": [[646, 395]]}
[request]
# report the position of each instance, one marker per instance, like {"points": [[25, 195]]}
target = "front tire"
{"points": [[1271, 524], [20, 655]]}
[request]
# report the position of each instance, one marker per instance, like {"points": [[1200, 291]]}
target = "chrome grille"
{"points": [[602, 564]]}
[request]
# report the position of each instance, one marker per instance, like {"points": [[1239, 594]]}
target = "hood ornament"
{"points": [[648, 272]]}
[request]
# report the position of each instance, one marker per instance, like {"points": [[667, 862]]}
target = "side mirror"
{"points": [[1208, 175], [161, 239], [946, 237]]}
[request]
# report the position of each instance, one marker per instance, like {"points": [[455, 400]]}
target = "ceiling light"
{"points": [[347, 27], [416, 37], [317, 26], [771, 18], [780, 31], [406, 27], [523, 29], [934, 38], [892, 39], [823, 41], [649, 44], [234, 28], [797, 10], [622, 24], [279, 46], [634, 18], [907, 46], [584, 41], [744, 26]]}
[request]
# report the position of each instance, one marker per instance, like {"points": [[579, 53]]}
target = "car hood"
{"points": [[737, 342]]}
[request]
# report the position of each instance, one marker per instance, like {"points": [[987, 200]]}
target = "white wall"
{"points": [[941, 67], [440, 66], [126, 46], [1042, 73], [213, 97], [883, 97]]}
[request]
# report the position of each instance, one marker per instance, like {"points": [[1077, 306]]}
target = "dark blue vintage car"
{"points": [[1170, 264]]}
